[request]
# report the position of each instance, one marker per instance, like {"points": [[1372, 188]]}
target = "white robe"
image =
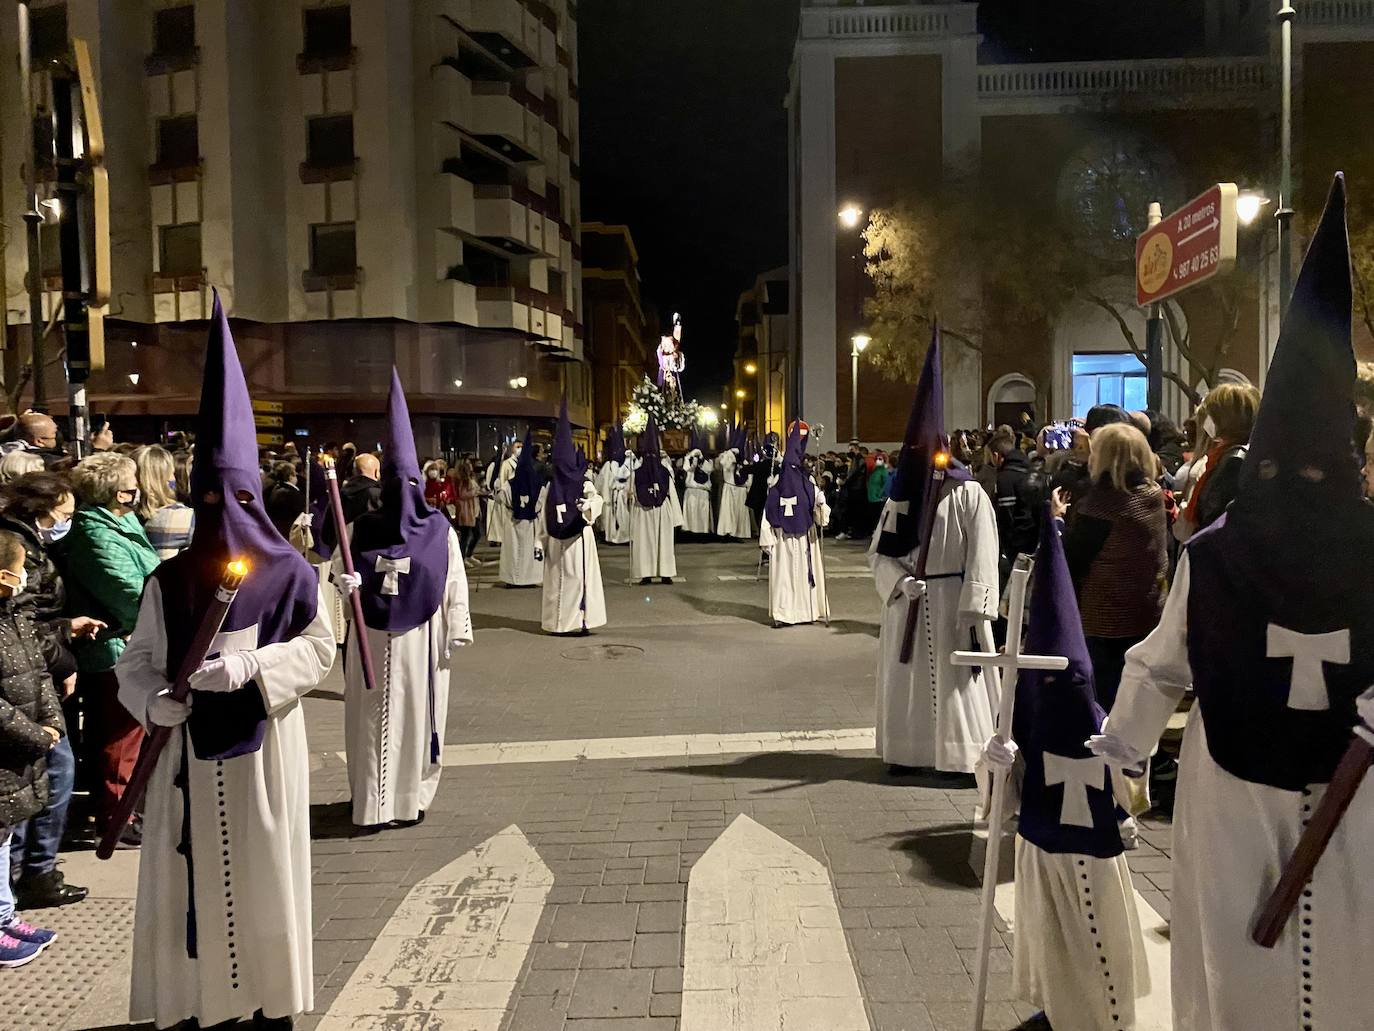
{"points": [[518, 566], [498, 516], [250, 842], [733, 519], [389, 731], [696, 503], [1232, 839], [616, 511], [931, 712], [573, 596], [796, 570], [651, 536]]}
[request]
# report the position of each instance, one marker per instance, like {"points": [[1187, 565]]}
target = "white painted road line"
{"points": [[454, 947], [765, 948], [663, 746]]}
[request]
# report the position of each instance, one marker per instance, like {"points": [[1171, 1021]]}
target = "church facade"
{"points": [[898, 104]]}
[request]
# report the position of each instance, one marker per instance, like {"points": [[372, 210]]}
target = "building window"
{"points": [[328, 34], [48, 33], [1102, 379], [179, 250], [178, 142], [333, 249], [330, 141], [174, 31]]}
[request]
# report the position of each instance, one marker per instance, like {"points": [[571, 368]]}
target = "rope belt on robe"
{"points": [[182, 780], [433, 706], [927, 579]]}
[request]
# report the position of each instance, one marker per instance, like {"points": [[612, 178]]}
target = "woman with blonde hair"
{"points": [[1224, 419], [1115, 547], [167, 522]]}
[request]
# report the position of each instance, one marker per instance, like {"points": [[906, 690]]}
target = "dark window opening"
{"points": [[482, 268], [333, 249], [50, 248], [48, 33], [556, 286], [330, 141], [328, 32], [174, 31], [178, 142], [180, 250], [45, 159], [478, 167]]}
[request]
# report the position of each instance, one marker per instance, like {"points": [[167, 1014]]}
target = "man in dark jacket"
{"points": [[362, 492], [1020, 498]]}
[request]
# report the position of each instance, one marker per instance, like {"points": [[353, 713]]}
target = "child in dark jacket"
{"points": [[30, 725]]}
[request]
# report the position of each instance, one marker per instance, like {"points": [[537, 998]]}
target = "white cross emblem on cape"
{"points": [[1307, 686], [1077, 775], [392, 570]]}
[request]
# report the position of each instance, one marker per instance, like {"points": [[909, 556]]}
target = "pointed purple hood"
{"points": [[561, 514], [524, 485], [904, 515], [651, 479], [280, 594], [405, 531], [792, 500], [615, 444]]}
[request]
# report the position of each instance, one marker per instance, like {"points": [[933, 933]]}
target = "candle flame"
{"points": [[238, 568], [942, 460]]}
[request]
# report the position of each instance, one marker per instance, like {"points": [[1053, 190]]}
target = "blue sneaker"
{"points": [[15, 953], [39, 936]]}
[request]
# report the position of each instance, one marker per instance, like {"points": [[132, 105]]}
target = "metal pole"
{"points": [[33, 218], [1154, 337], [1284, 213], [854, 395]]}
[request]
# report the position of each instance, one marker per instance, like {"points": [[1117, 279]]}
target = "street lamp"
{"points": [[858, 341], [850, 215], [458, 383], [750, 368], [739, 394], [518, 383], [1249, 205]]}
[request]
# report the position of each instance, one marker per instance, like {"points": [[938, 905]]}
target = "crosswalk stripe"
{"points": [[764, 947], [455, 945], [660, 746]]}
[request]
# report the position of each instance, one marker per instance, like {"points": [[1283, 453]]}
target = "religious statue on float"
{"points": [[671, 361]]}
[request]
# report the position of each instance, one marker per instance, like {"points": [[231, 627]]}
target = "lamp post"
{"points": [[858, 342], [1284, 212]]}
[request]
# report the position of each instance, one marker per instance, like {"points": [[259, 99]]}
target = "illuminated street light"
{"points": [[739, 394], [857, 343], [133, 378], [518, 382], [750, 368], [860, 341], [458, 383], [1249, 205], [850, 216]]}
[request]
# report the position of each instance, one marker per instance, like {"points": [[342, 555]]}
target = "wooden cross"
{"points": [[999, 666]]}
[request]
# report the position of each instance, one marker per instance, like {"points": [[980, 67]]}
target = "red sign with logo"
{"points": [[1188, 246]]}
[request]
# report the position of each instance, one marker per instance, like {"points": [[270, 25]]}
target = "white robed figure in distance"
{"points": [[1270, 622], [733, 520], [414, 592], [519, 497], [498, 515], [696, 497], [574, 601], [931, 713], [614, 485], [794, 516], [228, 805], [653, 513], [1078, 952]]}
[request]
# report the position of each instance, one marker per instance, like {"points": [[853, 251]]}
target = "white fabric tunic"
{"points": [[573, 596], [733, 520], [616, 511], [651, 536], [518, 566], [498, 515], [1232, 839], [931, 712], [250, 842], [796, 570], [696, 503], [389, 732]]}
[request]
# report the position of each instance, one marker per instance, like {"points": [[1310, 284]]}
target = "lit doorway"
{"points": [[1100, 379]]}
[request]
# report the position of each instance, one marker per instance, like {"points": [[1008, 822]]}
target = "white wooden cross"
{"points": [[1002, 668]]}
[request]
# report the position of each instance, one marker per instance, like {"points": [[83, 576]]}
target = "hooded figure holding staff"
{"points": [[696, 495], [414, 591], [794, 515], [733, 520], [573, 598], [222, 926], [654, 513], [518, 497], [613, 483]]}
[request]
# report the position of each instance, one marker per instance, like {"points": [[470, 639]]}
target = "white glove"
{"points": [[347, 583], [1000, 753], [1114, 750], [911, 587], [227, 673], [165, 711], [1364, 705]]}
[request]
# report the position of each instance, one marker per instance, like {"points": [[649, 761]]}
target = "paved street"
{"points": [[675, 823]]}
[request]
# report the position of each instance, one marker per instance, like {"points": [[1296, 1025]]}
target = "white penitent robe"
{"points": [[573, 596], [605, 476], [1079, 954], [796, 570], [931, 712], [392, 733], [250, 842], [696, 502], [1232, 839], [322, 568], [518, 565], [651, 539], [733, 519], [498, 515], [615, 513]]}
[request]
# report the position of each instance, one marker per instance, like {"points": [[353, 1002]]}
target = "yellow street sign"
{"points": [[268, 439], [268, 407], [267, 422]]}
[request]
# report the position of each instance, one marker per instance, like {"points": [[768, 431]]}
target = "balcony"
{"points": [[1328, 14], [502, 122], [172, 61], [525, 310], [500, 26], [507, 216], [1168, 82], [457, 207], [879, 22]]}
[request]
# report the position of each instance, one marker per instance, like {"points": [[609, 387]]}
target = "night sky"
{"points": [[684, 136]]}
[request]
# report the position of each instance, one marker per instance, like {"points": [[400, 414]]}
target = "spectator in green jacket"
{"points": [[105, 560]]}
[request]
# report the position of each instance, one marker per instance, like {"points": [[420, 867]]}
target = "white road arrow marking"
{"points": [[1206, 227], [455, 945], [765, 948]]}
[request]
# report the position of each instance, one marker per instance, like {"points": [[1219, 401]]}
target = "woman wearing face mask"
{"points": [[167, 522], [104, 561], [38, 509]]}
